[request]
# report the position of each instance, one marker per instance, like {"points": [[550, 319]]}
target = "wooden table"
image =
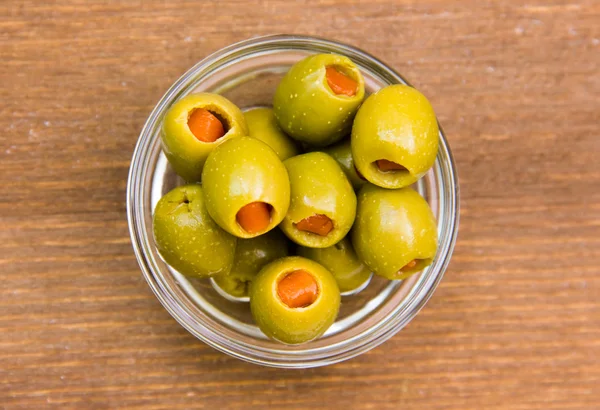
{"points": [[515, 323]]}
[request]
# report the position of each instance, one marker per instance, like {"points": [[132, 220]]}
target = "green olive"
{"points": [[293, 325], [185, 152], [340, 259], [319, 188], [186, 236], [240, 172], [342, 153], [395, 231], [398, 127], [250, 256], [305, 106], [263, 126]]}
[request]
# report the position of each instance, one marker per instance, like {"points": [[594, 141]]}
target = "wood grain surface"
{"points": [[515, 323]]}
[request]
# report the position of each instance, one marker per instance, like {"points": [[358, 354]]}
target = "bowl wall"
{"points": [[247, 73]]}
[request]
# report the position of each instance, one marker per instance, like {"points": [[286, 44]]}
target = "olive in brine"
{"points": [[342, 153], [263, 126], [250, 256], [341, 260], [187, 237], [246, 187], [323, 203], [395, 232], [317, 99], [395, 137], [194, 126], [294, 300]]}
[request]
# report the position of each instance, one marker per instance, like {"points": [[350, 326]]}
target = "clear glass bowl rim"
{"points": [[449, 214]]}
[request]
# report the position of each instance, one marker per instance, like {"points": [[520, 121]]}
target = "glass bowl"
{"points": [[248, 73]]}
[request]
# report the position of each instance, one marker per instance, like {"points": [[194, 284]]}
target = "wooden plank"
{"points": [[515, 322]]}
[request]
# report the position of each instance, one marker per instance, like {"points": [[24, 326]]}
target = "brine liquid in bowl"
{"points": [[248, 74]]}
